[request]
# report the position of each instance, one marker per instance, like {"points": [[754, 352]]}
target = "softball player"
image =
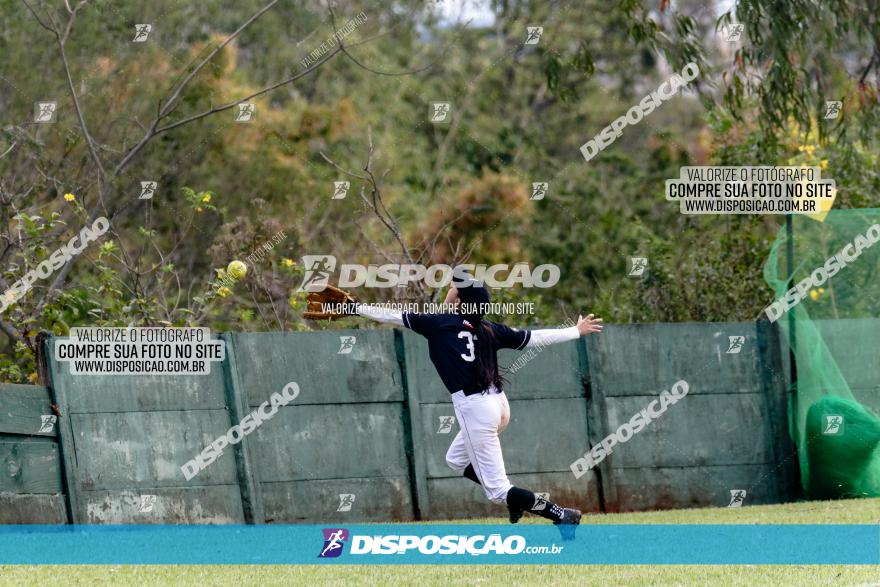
{"points": [[463, 348]]}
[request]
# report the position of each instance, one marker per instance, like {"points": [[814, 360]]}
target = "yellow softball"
{"points": [[237, 269]]}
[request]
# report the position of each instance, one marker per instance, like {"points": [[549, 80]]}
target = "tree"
{"points": [[136, 272]]}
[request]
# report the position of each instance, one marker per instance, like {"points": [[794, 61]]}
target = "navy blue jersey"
{"points": [[453, 342]]}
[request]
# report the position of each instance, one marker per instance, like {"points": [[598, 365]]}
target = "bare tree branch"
{"points": [[9, 330], [341, 169], [76, 105], [38, 19], [9, 150], [169, 105], [376, 203], [389, 73], [61, 30], [354, 60], [163, 111], [229, 105]]}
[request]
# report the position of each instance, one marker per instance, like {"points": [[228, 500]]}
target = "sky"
{"points": [[479, 12], [455, 11]]}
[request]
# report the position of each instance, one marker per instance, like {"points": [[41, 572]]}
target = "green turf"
{"points": [[865, 511], [424, 576]]}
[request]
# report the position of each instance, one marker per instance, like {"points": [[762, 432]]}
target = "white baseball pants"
{"points": [[481, 418]]}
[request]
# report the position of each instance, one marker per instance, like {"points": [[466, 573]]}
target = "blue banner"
{"points": [[441, 544]]}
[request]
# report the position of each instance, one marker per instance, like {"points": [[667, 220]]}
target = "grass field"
{"points": [[866, 511]]}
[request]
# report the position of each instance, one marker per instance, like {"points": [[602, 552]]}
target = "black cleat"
{"points": [[569, 523], [515, 513]]}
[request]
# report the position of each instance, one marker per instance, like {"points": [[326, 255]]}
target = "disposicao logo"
{"points": [[334, 540]]}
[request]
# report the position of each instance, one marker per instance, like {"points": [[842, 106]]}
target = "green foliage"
{"points": [[520, 114], [800, 54]]}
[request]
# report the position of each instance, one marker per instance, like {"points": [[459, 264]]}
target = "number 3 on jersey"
{"points": [[471, 349]]}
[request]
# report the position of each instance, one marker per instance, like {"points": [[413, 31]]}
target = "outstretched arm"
{"points": [[547, 336], [380, 314]]}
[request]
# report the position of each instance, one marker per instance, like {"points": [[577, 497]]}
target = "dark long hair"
{"points": [[476, 296], [488, 373]]}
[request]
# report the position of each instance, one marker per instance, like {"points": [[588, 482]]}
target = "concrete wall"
{"points": [[125, 437], [346, 433], [31, 484], [724, 435], [368, 423], [853, 344]]}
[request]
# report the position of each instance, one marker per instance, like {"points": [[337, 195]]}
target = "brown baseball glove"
{"points": [[331, 303]]}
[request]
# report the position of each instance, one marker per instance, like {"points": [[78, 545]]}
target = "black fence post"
{"points": [[412, 430], [249, 485], [66, 442], [597, 424], [776, 388]]}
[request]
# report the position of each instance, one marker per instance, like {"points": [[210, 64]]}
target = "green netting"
{"points": [[831, 329]]}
